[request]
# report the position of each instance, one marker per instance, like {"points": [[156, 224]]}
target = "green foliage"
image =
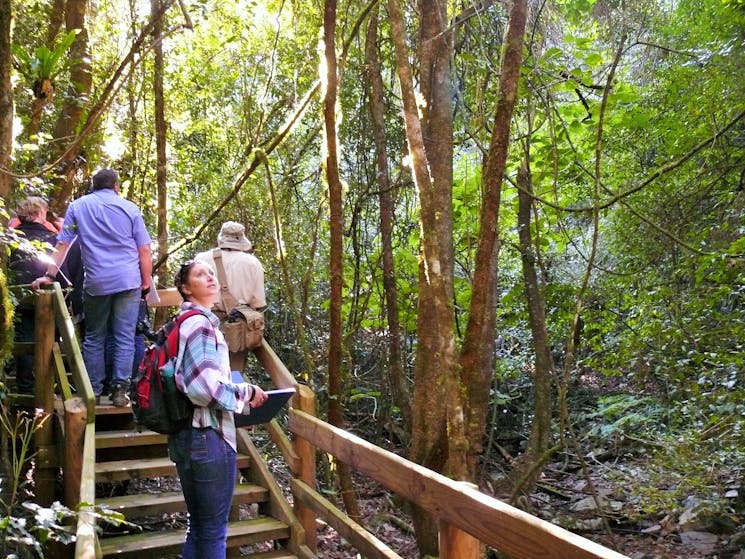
{"points": [[6, 320], [45, 64], [25, 527], [26, 535], [688, 463], [619, 415]]}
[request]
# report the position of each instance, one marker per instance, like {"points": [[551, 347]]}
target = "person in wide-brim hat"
{"points": [[233, 237]]}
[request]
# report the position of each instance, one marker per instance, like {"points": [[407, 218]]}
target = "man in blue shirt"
{"points": [[117, 260]]}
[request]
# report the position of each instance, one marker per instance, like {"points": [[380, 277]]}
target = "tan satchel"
{"points": [[242, 326]]}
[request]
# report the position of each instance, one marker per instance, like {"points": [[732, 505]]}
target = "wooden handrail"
{"points": [[467, 517], [86, 536], [281, 377], [505, 528], [80, 377], [169, 297], [79, 412], [46, 457]]}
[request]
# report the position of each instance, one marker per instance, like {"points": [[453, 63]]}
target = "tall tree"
{"points": [[76, 101], [78, 117], [478, 353], [161, 139], [43, 86], [336, 251], [6, 101], [437, 428], [396, 374], [528, 466], [451, 396]]}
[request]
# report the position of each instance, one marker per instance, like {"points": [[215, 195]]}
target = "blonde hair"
{"points": [[32, 206]]}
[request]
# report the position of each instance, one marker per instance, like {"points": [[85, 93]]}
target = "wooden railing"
{"points": [[78, 415], [466, 515], [468, 519]]}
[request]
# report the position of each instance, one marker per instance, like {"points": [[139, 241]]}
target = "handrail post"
{"points": [[457, 544], [305, 400], [454, 543], [46, 476], [76, 419]]}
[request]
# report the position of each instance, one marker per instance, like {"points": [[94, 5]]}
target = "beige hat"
{"points": [[233, 235]]}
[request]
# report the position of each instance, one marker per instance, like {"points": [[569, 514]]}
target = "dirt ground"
{"points": [[390, 524]]}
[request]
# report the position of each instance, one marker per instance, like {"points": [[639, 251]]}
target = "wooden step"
{"points": [[107, 408], [140, 469], [133, 506], [128, 437], [158, 544], [276, 554]]}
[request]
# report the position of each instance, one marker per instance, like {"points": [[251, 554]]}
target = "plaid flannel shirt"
{"points": [[204, 374]]}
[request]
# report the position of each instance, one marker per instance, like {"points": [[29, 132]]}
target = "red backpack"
{"points": [[157, 403]]}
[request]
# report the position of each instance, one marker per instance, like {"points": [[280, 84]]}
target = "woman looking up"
{"points": [[205, 451]]}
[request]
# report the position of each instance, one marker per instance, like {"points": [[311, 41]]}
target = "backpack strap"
{"points": [[183, 316], [226, 297], [172, 343]]}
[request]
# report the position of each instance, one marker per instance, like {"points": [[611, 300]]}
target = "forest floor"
{"points": [[391, 524]]}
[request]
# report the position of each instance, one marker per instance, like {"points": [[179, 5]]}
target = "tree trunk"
{"points": [[477, 356], [56, 19], [435, 54], [75, 104], [336, 222], [396, 375], [528, 466], [43, 94], [436, 406], [6, 102], [161, 139]]}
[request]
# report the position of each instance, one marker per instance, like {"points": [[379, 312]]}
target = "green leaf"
{"points": [[594, 60], [553, 53]]}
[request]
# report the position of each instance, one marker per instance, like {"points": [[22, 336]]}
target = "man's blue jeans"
{"points": [[206, 465], [118, 312], [139, 347]]}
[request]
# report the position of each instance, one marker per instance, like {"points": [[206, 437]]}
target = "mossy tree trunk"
{"points": [[6, 100], [6, 350]]}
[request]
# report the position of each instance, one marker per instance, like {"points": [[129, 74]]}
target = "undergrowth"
{"points": [[662, 463]]}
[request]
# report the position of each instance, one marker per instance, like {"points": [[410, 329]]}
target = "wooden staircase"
{"points": [[130, 463], [96, 446]]}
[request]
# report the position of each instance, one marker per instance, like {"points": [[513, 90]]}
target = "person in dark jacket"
{"points": [[25, 265]]}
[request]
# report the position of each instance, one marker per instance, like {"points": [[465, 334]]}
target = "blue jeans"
{"points": [[206, 465], [118, 312], [139, 347]]}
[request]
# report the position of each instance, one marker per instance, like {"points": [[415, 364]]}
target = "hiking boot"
{"points": [[119, 396]]}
